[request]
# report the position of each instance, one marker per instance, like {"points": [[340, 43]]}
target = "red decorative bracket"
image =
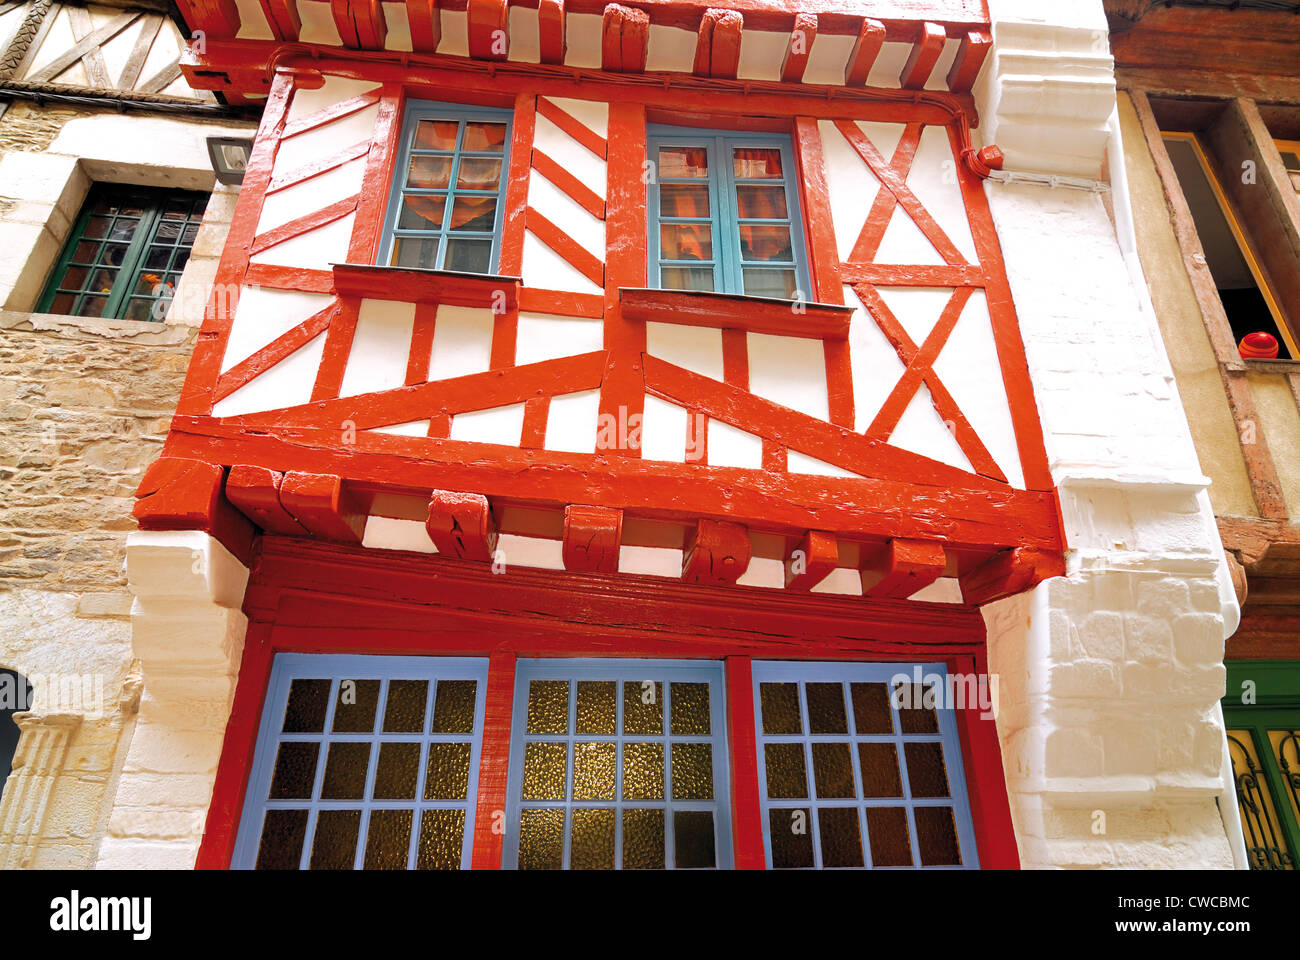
{"points": [[901, 568], [718, 552], [361, 23], [1009, 572], [812, 561], [181, 494], [321, 504], [799, 47], [871, 37], [255, 492], [489, 29], [550, 30], [425, 22], [461, 525], [625, 39], [591, 538], [717, 49]]}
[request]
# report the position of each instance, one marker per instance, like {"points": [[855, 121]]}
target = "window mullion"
{"points": [[129, 272], [728, 219]]}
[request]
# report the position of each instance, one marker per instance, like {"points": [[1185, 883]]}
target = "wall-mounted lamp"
{"points": [[229, 156]]}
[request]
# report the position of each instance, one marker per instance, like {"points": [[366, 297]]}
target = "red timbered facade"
{"points": [[556, 453]]}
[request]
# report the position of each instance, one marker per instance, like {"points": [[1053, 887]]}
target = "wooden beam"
{"points": [[1008, 573], [625, 39], [360, 23], [925, 54], [323, 506], [255, 492], [550, 30], [179, 493], [283, 17], [800, 46], [812, 561], [716, 552], [871, 37], [591, 538], [425, 21], [717, 47], [489, 29], [461, 525], [971, 54], [901, 568]]}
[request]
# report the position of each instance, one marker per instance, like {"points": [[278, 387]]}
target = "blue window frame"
{"points": [[445, 205], [365, 762], [618, 764], [842, 758], [724, 214]]}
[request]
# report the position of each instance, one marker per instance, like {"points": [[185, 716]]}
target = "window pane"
{"points": [[474, 213], [541, 839], [404, 711], [593, 840], [686, 278], [442, 837], [763, 282], [139, 308], [485, 137], [399, 765], [429, 173], [453, 711], [85, 252], [282, 836], [422, 213], [761, 203], [97, 227], [765, 242], [686, 241], [295, 771], [469, 256], [335, 844], [411, 252], [167, 230], [683, 162], [74, 278], [841, 836], [93, 307], [123, 229], [643, 839], [596, 706], [757, 163], [683, 200], [447, 774], [936, 837], [478, 173], [693, 839], [388, 840], [790, 833], [63, 303], [354, 706], [890, 845], [436, 134]]}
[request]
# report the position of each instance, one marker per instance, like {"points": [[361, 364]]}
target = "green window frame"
{"points": [[1262, 715], [125, 253]]}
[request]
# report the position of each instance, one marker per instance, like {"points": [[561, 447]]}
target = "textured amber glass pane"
{"points": [[780, 705], [395, 774], [693, 843], [453, 710], [308, 701], [596, 706], [544, 771], [643, 839], [345, 771], [335, 844], [541, 839], [388, 839], [354, 706], [890, 845], [436, 134], [683, 162], [446, 776], [404, 712], [548, 706], [295, 771], [593, 771], [925, 773], [592, 846], [840, 835], [914, 716], [282, 835], [826, 708], [643, 707], [442, 840], [692, 771], [643, 771], [833, 770], [879, 763], [871, 713], [790, 832], [787, 774], [936, 837], [690, 709]]}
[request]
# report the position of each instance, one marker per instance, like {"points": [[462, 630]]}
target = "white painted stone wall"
{"points": [[1110, 676]]}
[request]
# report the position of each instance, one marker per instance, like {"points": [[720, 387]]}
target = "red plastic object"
{"points": [[1258, 346]]}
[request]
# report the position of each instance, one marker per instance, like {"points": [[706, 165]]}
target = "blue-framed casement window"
{"points": [[852, 774], [365, 762], [445, 207], [618, 764], [724, 213]]}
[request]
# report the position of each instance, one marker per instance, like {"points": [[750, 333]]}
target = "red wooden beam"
{"points": [[797, 51], [578, 256], [901, 568], [716, 552], [550, 30], [746, 809], [925, 54], [494, 763], [361, 23], [591, 538], [871, 36], [624, 39], [323, 506], [255, 492], [573, 126], [489, 29], [812, 561], [217, 18], [461, 525], [1009, 572], [971, 53], [179, 493], [282, 15], [576, 190], [735, 312], [414, 285], [717, 49], [426, 25]]}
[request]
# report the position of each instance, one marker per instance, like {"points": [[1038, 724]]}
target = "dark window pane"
{"points": [[787, 774], [442, 840], [86, 251], [282, 835], [780, 706], [469, 256], [925, 772], [690, 709], [879, 763], [74, 279], [890, 845], [169, 230], [693, 841], [826, 708], [388, 839], [790, 833], [395, 774], [408, 252], [295, 771], [345, 771], [936, 837], [841, 837], [63, 303], [765, 241], [96, 227], [871, 712], [354, 707], [473, 213], [453, 709], [833, 770], [158, 258], [93, 307], [915, 715], [334, 846], [404, 712]]}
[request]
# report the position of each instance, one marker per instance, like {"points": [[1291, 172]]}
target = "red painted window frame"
{"points": [[307, 597]]}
